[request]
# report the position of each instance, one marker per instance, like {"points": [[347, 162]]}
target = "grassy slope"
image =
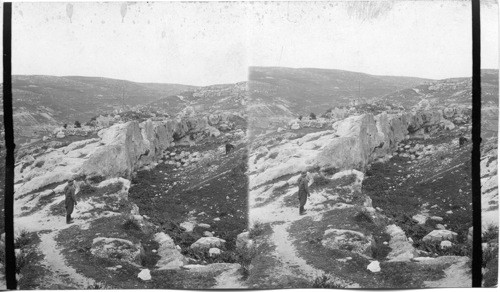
{"points": [[216, 190]]}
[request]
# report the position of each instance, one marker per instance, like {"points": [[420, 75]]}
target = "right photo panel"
{"points": [[359, 122]]}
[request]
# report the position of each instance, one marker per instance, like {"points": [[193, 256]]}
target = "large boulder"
{"points": [[401, 248], [350, 240], [170, 256], [117, 248], [437, 236], [205, 243]]}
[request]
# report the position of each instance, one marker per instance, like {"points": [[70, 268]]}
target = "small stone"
{"points": [[204, 225], [214, 252], [445, 244], [437, 218], [440, 227], [144, 275], [208, 234], [449, 212], [217, 219], [385, 243], [374, 267]]}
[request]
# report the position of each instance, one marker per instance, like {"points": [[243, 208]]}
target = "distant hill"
{"points": [[205, 100], [279, 93], [41, 102]]}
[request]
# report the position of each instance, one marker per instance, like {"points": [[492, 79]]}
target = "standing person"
{"points": [[303, 191], [70, 200]]}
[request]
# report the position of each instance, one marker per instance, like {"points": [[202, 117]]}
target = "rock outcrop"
{"points": [[119, 151], [353, 143]]}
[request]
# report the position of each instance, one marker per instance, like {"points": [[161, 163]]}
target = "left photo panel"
{"points": [[131, 145]]}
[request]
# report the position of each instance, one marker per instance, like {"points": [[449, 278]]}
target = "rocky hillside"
{"points": [[41, 103], [279, 94], [276, 93], [386, 209], [154, 197], [214, 99]]}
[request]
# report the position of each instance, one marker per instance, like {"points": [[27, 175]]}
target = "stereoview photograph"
{"points": [[251, 145]]}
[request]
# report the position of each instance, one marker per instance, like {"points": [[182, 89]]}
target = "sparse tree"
{"points": [[300, 117], [312, 116], [65, 126], [77, 124]]}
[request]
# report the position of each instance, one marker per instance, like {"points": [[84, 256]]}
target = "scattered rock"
{"points": [[212, 252], [117, 248], [437, 218], [445, 244], [440, 226], [439, 235], [170, 256], [374, 267], [208, 234], [144, 275], [203, 225], [420, 218], [205, 243], [243, 240], [343, 239], [401, 247], [188, 226]]}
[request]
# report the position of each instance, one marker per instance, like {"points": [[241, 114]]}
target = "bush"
{"points": [[363, 216], [320, 181], [312, 116], [131, 224], [77, 124], [25, 258], [258, 229], [39, 163], [23, 240], [491, 234], [245, 256], [325, 282]]}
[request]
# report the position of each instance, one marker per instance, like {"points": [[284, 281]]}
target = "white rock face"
{"points": [[374, 267], [206, 243], [355, 142]]}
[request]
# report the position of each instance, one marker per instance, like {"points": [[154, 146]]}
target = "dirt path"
{"points": [[230, 279], [55, 262], [62, 275], [287, 254], [456, 276]]}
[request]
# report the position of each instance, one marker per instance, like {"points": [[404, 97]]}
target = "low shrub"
{"points": [[325, 282], [25, 258], [258, 229], [39, 163]]}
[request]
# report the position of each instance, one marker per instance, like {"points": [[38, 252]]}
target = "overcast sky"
{"points": [[210, 43]]}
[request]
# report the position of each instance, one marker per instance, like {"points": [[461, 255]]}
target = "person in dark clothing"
{"points": [[303, 191], [229, 147], [70, 200]]}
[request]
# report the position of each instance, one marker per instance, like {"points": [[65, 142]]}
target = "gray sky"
{"points": [[210, 43]]}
